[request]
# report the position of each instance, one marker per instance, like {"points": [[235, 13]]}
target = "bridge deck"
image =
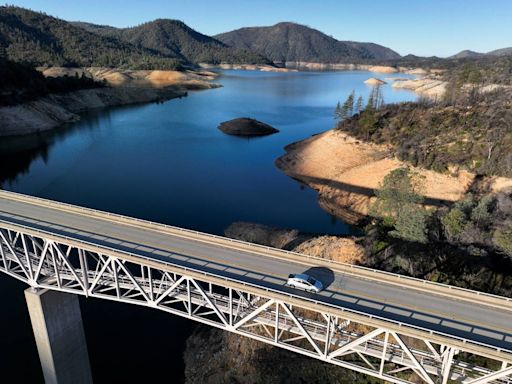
{"points": [[468, 319]]}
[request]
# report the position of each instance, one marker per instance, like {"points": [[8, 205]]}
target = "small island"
{"points": [[374, 81], [245, 126]]}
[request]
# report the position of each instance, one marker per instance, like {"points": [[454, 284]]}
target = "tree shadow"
{"points": [[323, 274]]}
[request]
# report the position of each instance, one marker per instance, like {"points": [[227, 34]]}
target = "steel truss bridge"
{"points": [[81, 251]]}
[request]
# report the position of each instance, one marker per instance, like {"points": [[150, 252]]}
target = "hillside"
{"points": [[472, 54], [21, 83], [467, 54], [37, 39], [501, 52], [175, 39], [293, 42]]}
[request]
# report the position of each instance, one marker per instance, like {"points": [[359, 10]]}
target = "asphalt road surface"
{"points": [[472, 321]]}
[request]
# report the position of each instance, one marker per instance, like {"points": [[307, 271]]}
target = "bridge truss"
{"points": [[332, 335]]}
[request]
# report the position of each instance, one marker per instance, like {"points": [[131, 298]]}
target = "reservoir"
{"points": [[168, 162]]}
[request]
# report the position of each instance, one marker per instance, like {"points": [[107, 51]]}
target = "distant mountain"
{"points": [[467, 54], [175, 39], [37, 39], [501, 52], [294, 42]]}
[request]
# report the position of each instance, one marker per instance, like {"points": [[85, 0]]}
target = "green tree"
{"points": [[454, 222], [337, 112], [481, 213], [399, 203], [359, 104], [349, 104], [376, 98], [411, 224], [368, 121], [503, 239], [346, 110]]}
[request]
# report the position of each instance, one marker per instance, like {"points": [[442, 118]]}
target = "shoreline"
{"points": [[346, 171], [124, 88]]}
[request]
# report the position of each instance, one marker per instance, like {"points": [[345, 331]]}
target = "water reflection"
{"points": [[169, 163]]}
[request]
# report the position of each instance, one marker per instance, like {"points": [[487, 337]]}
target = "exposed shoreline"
{"points": [[345, 172], [125, 87]]}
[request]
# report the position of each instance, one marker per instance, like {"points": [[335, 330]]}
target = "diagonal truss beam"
{"points": [[492, 376], [60, 266]]}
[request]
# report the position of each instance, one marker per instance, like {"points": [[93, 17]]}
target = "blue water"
{"points": [[169, 163]]}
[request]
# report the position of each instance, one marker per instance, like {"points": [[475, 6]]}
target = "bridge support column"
{"points": [[60, 338]]}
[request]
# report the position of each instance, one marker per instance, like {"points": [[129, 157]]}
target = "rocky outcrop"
{"points": [[382, 69], [374, 81], [245, 126], [428, 87]]}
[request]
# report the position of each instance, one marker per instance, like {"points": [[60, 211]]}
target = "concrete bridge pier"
{"points": [[60, 338]]}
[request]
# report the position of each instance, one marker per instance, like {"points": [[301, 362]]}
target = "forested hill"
{"points": [[295, 42], [40, 40], [36, 39], [174, 38], [21, 83]]}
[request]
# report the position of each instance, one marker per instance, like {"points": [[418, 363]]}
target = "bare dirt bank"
{"points": [[147, 78], [248, 67], [428, 87], [127, 87], [342, 249], [346, 171], [356, 67]]}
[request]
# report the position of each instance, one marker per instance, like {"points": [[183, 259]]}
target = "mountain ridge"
{"points": [[288, 41], [171, 37], [472, 54]]}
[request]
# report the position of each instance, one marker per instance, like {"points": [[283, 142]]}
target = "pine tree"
{"points": [[399, 203], [359, 104], [350, 103], [346, 110], [376, 99], [337, 112]]}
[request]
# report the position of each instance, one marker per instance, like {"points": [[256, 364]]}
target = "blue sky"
{"points": [[422, 27]]}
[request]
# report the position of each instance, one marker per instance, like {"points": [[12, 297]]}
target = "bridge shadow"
{"points": [[323, 274], [360, 190]]}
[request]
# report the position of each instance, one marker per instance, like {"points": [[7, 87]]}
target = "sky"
{"points": [[420, 27]]}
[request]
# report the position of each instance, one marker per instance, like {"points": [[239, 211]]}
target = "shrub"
{"points": [[454, 222], [411, 225], [503, 239]]}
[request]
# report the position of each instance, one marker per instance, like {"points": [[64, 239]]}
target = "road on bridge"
{"points": [[467, 319]]}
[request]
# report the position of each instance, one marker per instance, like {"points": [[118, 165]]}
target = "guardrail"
{"points": [[120, 253], [370, 273]]}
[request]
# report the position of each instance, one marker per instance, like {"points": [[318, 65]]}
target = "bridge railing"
{"points": [[432, 287], [119, 253]]}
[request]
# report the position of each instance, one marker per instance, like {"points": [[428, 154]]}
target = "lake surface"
{"points": [[169, 163]]}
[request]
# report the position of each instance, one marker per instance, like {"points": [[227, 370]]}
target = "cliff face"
{"points": [[214, 356]]}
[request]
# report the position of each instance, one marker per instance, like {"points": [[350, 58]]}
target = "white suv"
{"points": [[305, 282]]}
